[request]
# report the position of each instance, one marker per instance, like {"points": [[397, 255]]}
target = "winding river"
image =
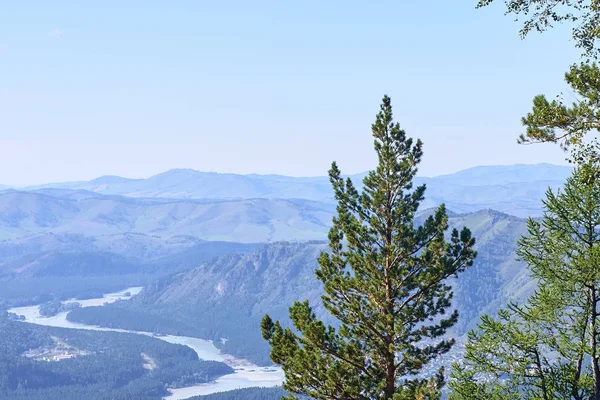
{"points": [[245, 375]]}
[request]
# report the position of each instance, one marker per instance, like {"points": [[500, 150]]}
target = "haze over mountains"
{"points": [[213, 206], [121, 227], [191, 184], [97, 229], [85, 213], [215, 252]]}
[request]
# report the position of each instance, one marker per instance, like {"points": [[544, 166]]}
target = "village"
{"points": [[60, 351]]}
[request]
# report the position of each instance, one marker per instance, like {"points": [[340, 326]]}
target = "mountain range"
{"points": [[215, 252], [65, 239], [61, 212], [514, 189], [231, 211]]}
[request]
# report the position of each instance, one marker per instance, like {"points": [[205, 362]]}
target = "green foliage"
{"points": [[546, 348], [554, 121], [385, 280], [540, 15]]}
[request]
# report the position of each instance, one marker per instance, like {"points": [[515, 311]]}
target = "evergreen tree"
{"points": [[385, 280], [554, 121], [548, 347]]}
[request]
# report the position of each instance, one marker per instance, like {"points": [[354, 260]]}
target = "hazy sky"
{"points": [[134, 88]]}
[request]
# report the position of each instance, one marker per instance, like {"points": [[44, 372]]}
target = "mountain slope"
{"points": [[49, 266], [24, 214], [226, 298]]}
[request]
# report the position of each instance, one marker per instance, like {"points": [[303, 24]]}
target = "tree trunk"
{"points": [[390, 378], [593, 343]]}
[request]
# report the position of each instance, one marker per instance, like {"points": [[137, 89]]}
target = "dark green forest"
{"points": [[72, 272], [23, 292], [111, 365], [243, 338]]}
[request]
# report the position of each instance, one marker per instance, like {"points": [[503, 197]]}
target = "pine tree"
{"points": [[568, 124], [548, 347], [385, 281]]}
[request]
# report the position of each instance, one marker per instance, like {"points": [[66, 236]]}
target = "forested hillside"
{"points": [[226, 298], [48, 267], [93, 365]]}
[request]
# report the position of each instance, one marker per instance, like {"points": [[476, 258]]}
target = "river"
{"points": [[245, 375]]}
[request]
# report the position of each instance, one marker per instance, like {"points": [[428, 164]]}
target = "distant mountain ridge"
{"points": [[514, 189], [505, 174]]}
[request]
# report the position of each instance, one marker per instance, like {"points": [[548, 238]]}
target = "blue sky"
{"points": [[133, 88]]}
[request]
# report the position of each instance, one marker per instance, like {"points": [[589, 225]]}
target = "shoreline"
{"points": [[246, 374]]}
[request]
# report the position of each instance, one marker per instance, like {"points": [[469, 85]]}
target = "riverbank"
{"points": [[246, 375]]}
